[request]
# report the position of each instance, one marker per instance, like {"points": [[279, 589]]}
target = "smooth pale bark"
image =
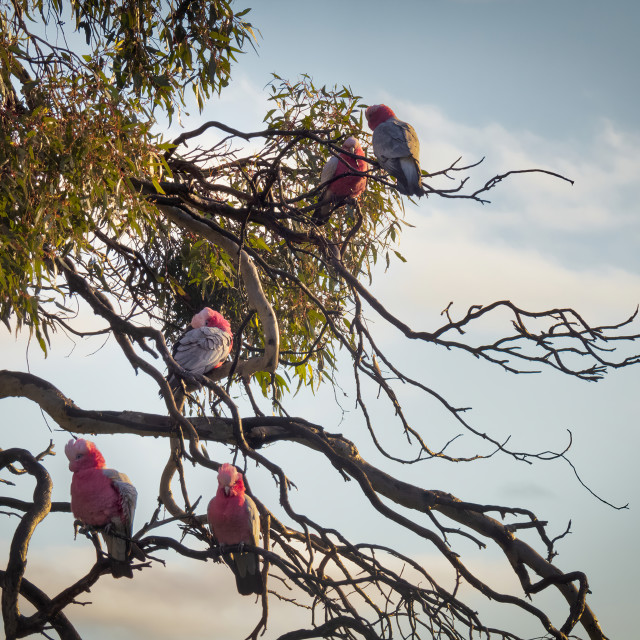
{"points": [[255, 295]]}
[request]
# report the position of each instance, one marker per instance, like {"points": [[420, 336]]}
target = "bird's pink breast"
{"points": [[349, 185], [229, 519], [93, 498]]}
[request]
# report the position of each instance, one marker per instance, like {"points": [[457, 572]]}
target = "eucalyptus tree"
{"points": [[101, 211]]}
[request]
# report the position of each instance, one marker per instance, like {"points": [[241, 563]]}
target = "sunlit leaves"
{"points": [[308, 323], [62, 173], [76, 123], [78, 138]]}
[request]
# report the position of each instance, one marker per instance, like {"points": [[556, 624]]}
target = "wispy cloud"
{"points": [[456, 265], [184, 600], [604, 167], [540, 242]]}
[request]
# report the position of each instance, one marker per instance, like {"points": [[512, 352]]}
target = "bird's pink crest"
{"points": [[351, 144], [210, 318], [229, 476], [377, 114], [83, 454]]}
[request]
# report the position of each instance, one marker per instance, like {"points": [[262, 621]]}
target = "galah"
{"points": [[102, 498], [234, 519], [203, 347], [396, 146], [338, 191]]}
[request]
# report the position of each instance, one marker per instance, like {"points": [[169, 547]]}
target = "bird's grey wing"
{"points": [[329, 169], [325, 203], [117, 546], [200, 350], [254, 520], [395, 139], [128, 495], [397, 149], [247, 565]]}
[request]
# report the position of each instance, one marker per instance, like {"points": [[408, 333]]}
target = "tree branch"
{"points": [[342, 453], [13, 620]]}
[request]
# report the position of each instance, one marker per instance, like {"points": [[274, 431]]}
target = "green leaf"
{"points": [[157, 186]]}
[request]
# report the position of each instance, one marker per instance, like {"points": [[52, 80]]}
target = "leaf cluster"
{"points": [[80, 143], [76, 124]]}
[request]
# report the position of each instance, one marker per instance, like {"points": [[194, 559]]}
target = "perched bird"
{"points": [[234, 519], [348, 187], [203, 347], [397, 148], [102, 498]]}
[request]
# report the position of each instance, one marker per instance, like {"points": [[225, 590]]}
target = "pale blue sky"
{"points": [[525, 83], [554, 67]]}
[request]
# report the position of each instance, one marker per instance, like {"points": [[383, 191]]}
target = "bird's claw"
{"points": [[80, 527]]}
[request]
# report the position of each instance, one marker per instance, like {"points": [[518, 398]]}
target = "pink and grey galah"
{"points": [[396, 146], [350, 186], [103, 498], [203, 347], [234, 519]]}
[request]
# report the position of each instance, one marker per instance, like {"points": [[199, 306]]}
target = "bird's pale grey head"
{"points": [[75, 448], [210, 318], [229, 477], [351, 143], [83, 454]]}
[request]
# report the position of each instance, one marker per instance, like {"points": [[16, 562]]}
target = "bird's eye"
{"points": [[79, 455]]}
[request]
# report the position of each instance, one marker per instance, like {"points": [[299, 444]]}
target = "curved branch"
{"points": [[41, 601], [330, 627], [13, 620], [66, 597], [339, 450], [255, 294]]}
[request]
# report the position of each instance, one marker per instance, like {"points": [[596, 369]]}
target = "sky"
{"points": [[523, 83]]}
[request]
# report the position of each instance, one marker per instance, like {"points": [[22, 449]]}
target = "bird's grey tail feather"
{"points": [[323, 211], [410, 178], [121, 569], [118, 550], [246, 569]]}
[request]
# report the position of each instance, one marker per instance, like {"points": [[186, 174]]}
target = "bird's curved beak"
{"points": [[227, 490]]}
